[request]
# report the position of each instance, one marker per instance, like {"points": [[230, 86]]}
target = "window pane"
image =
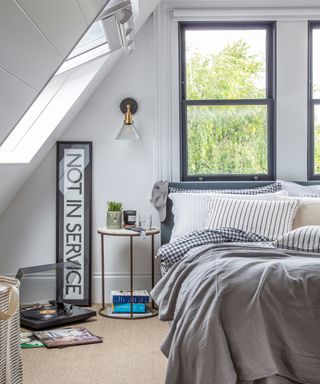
{"points": [[226, 64], [227, 140], [93, 38], [317, 139], [316, 63]]}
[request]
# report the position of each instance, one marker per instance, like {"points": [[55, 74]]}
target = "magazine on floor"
{"points": [[28, 340], [66, 337]]}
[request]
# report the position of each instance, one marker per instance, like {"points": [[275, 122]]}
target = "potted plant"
{"points": [[114, 214]]}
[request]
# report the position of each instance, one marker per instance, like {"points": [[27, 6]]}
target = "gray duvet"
{"points": [[242, 315]]}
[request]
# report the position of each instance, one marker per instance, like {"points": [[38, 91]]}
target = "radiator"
{"points": [[10, 352]]}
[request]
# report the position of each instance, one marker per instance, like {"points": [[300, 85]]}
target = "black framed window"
{"points": [[314, 101], [227, 101]]}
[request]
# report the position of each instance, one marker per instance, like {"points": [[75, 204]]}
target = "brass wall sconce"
{"points": [[128, 131]]}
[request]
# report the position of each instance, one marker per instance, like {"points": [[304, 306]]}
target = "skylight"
{"points": [[92, 45], [114, 31], [92, 39]]}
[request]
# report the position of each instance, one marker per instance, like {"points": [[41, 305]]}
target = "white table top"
{"points": [[125, 232]]}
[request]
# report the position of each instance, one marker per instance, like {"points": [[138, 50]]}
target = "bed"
{"points": [[240, 312]]}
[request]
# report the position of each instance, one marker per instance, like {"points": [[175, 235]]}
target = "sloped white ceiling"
{"points": [[61, 22], [13, 176], [35, 38]]}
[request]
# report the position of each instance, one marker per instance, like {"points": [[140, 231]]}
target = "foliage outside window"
{"points": [[314, 100], [227, 101]]}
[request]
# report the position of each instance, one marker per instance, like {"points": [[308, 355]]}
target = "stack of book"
{"points": [[121, 301]]}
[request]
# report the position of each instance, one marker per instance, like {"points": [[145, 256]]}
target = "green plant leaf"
{"points": [[114, 206]]}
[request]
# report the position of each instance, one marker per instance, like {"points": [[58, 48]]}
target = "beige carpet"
{"points": [[129, 355]]}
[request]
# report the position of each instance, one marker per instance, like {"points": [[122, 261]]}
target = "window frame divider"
{"points": [[229, 102]]}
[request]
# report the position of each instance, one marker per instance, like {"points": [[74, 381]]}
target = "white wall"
{"points": [[122, 171], [292, 102]]}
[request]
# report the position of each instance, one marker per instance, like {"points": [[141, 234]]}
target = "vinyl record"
{"points": [[45, 313]]}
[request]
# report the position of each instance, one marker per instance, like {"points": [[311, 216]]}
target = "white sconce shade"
{"points": [[128, 132]]}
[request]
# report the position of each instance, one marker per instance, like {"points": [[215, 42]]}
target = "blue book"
{"points": [[139, 296], [125, 308]]}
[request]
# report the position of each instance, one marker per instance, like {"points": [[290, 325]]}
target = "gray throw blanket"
{"points": [[242, 314], [158, 199]]}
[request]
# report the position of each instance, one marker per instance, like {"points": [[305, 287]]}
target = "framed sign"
{"points": [[74, 224]]}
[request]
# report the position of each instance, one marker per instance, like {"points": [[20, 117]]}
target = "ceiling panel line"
{"points": [[83, 13], [38, 29], [18, 79]]}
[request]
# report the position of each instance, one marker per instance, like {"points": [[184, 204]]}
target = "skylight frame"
{"points": [[83, 58], [93, 38]]}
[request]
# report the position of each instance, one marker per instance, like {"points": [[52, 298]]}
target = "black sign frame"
{"points": [[74, 220]]}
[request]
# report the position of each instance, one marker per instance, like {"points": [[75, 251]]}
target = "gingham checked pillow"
{"points": [[297, 190], [172, 253], [271, 188]]}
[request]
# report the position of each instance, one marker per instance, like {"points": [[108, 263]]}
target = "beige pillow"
{"points": [[308, 213]]}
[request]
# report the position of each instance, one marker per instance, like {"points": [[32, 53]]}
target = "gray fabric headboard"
{"points": [[167, 225]]}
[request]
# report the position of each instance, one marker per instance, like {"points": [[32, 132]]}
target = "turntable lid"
{"points": [[44, 268]]}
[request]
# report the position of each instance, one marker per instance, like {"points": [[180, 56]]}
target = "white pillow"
{"points": [[308, 213], [270, 219], [190, 210], [305, 239]]}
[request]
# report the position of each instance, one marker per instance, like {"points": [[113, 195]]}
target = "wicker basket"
{"points": [[10, 352]]}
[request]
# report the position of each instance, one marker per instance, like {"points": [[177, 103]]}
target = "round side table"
{"points": [[107, 311]]}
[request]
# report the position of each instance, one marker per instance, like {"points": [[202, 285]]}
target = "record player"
{"points": [[38, 309]]}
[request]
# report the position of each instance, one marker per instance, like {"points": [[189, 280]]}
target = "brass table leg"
{"points": [[152, 265], [131, 277], [102, 272]]}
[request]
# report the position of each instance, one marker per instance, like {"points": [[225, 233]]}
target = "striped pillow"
{"points": [[301, 239], [190, 210], [270, 219]]}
